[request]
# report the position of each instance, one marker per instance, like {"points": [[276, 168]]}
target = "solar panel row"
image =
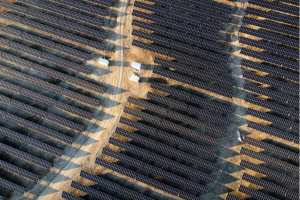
{"points": [[31, 141], [178, 16], [19, 171], [12, 186], [270, 160], [267, 104], [256, 194], [172, 126], [162, 160], [25, 156], [192, 98], [232, 197], [276, 6], [195, 71], [272, 26], [113, 186], [270, 173], [154, 170], [273, 131], [168, 137], [193, 82], [271, 70], [178, 26], [48, 86], [167, 149], [270, 186], [91, 191], [271, 82], [88, 8], [274, 16], [72, 51], [69, 196], [270, 47], [272, 148]]}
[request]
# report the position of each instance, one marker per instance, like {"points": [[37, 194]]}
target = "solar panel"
{"points": [[270, 173], [85, 18], [72, 51], [71, 37], [291, 64], [255, 193], [12, 186], [261, 33], [272, 131], [38, 26], [10, 30], [151, 47], [97, 45], [69, 196], [91, 9], [56, 135], [212, 88], [74, 110], [54, 8], [290, 41], [10, 17], [38, 40], [42, 16], [91, 191], [263, 68], [232, 197], [73, 26], [263, 79], [25, 49], [152, 27], [98, 34]]}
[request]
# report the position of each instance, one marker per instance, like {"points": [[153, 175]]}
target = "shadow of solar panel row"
{"points": [[270, 173], [267, 104], [193, 82], [192, 10], [272, 148], [169, 150], [91, 191], [276, 6], [272, 82], [168, 137], [255, 194], [49, 86], [14, 187], [184, 118], [230, 196], [274, 95], [19, 171], [270, 160], [178, 26], [274, 16], [157, 171], [196, 72], [25, 156], [190, 109], [172, 126], [162, 160], [192, 98], [271, 70], [270, 47], [271, 118], [270, 186], [178, 16], [69, 196], [113, 186], [273, 131], [31, 141], [272, 26], [41, 55]]}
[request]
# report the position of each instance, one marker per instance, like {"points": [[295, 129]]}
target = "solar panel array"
{"points": [[271, 186], [31, 141], [12, 186], [232, 197], [19, 171], [143, 179], [69, 196], [270, 160], [256, 194], [91, 191], [113, 186], [275, 6], [25, 156]]}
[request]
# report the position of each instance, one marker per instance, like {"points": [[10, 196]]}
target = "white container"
{"points": [[134, 78], [103, 61], [136, 65]]}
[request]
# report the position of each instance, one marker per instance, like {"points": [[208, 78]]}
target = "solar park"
{"points": [[214, 115]]}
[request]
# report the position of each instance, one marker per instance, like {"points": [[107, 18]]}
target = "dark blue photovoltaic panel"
{"points": [[73, 26], [151, 27], [85, 18], [232, 197], [91, 9], [53, 8], [69, 196], [11, 17], [261, 33], [254, 193], [12, 186]]}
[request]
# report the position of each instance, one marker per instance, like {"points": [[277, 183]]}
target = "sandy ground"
{"points": [[89, 144]]}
